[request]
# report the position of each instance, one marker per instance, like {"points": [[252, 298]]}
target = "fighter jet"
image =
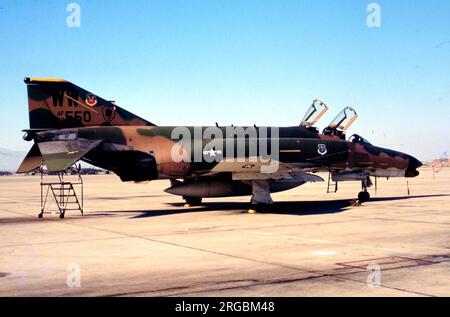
{"points": [[69, 124]]}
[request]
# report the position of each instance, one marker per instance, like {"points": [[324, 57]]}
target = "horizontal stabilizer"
{"points": [[59, 155], [32, 161]]}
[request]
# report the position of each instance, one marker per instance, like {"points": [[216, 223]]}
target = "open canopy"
{"points": [[314, 113], [344, 119]]}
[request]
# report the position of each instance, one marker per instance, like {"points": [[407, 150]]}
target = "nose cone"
{"points": [[413, 165]]}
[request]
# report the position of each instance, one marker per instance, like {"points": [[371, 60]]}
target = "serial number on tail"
{"points": [[83, 116]]}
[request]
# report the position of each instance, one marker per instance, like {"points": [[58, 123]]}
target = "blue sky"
{"points": [[195, 62]]}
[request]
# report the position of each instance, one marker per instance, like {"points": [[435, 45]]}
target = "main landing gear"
{"points": [[364, 195], [261, 200]]}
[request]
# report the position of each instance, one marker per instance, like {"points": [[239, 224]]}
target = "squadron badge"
{"points": [[91, 100], [109, 113], [322, 149]]}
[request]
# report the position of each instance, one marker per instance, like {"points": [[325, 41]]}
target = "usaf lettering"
{"points": [[186, 307]]}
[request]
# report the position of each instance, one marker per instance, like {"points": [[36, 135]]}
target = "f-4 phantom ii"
{"points": [[68, 124]]}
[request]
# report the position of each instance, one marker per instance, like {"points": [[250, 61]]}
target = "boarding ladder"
{"points": [[332, 186], [63, 193]]}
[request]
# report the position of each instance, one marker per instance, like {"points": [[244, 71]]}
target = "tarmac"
{"points": [[136, 240]]}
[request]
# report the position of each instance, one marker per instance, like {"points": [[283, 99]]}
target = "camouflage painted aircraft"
{"points": [[68, 124]]}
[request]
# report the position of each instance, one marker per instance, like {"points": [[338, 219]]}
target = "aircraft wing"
{"points": [[59, 155], [257, 169]]}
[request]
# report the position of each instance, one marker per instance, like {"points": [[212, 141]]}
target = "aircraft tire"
{"points": [[193, 201], [363, 197]]}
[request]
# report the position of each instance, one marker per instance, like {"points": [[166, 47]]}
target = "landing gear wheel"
{"points": [[41, 215], [260, 208], [61, 216], [363, 197], [192, 201]]}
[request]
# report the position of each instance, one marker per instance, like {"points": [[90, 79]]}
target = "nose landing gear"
{"points": [[364, 195]]}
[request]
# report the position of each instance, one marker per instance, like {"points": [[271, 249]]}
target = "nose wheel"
{"points": [[364, 195]]}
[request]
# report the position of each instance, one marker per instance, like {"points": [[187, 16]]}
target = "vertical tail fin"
{"points": [[59, 104]]}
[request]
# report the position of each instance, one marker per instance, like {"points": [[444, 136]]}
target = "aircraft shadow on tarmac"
{"points": [[300, 208]]}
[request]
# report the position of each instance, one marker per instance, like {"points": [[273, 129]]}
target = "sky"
{"points": [[241, 62]]}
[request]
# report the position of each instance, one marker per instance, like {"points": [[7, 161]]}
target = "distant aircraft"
{"points": [[68, 124]]}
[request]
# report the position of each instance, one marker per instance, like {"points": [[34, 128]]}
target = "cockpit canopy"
{"points": [[341, 123], [344, 119], [314, 113], [355, 138]]}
